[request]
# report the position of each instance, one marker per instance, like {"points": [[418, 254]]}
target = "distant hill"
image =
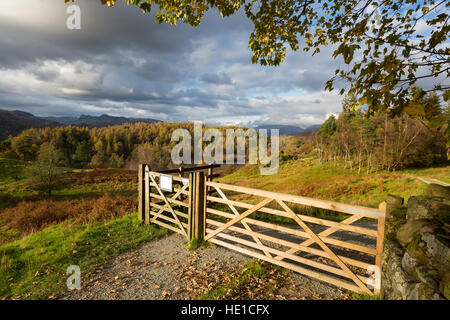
{"points": [[100, 121], [14, 122], [61, 120], [288, 130], [312, 128]]}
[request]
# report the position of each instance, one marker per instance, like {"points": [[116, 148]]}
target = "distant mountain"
{"points": [[100, 121], [61, 120], [284, 129], [287, 130], [14, 122], [312, 128]]}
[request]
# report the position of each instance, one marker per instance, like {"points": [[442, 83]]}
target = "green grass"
{"points": [[14, 182], [307, 178], [195, 243], [34, 267], [12, 177], [363, 296], [11, 169]]}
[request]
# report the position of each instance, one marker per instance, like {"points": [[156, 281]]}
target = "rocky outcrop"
{"points": [[416, 258]]}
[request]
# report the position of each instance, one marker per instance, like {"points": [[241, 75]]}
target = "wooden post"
{"points": [[147, 195], [191, 204], [181, 171], [201, 203], [181, 174], [210, 175], [380, 244], [141, 188], [197, 205]]}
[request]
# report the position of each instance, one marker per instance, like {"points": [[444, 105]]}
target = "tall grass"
{"points": [[31, 216], [310, 179]]}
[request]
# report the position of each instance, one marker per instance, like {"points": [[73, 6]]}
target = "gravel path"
{"points": [[165, 269]]}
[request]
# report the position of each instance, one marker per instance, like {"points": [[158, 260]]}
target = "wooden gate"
{"points": [[165, 208], [178, 208], [274, 227], [307, 245]]}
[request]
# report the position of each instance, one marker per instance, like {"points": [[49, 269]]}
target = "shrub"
{"points": [[31, 216], [101, 175]]}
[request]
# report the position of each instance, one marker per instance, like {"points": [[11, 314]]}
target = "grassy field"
{"points": [[87, 221], [76, 184], [91, 217], [307, 178]]}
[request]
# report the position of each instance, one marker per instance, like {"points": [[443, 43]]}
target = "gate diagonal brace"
{"points": [[325, 248], [246, 226], [324, 233], [239, 218], [169, 206], [156, 215]]}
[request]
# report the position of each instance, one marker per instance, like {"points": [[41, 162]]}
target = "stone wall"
{"points": [[416, 258]]}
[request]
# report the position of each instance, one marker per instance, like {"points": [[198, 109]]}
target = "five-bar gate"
{"points": [[346, 253]]}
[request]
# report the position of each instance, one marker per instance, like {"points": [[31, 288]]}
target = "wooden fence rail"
{"points": [[238, 218]]}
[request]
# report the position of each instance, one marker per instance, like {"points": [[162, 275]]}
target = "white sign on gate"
{"points": [[165, 183]]}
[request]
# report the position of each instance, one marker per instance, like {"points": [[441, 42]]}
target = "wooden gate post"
{"points": [[147, 194], [141, 188], [197, 206], [379, 247], [191, 204]]}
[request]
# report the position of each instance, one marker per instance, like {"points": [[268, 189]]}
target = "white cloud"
{"points": [[141, 69]]}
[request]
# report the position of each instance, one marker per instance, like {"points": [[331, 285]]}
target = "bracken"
{"points": [[31, 216]]}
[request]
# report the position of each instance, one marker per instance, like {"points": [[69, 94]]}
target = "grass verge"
{"points": [[195, 243], [327, 182], [34, 267], [363, 296]]}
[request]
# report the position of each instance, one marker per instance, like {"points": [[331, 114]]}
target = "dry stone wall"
{"points": [[416, 259]]}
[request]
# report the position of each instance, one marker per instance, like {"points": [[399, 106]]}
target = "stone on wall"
{"points": [[416, 257], [423, 208], [408, 231], [396, 282], [438, 253], [423, 291]]}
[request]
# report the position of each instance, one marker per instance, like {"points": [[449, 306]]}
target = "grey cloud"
{"points": [[217, 78], [124, 63]]}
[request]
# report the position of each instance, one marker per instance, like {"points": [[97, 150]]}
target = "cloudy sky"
{"points": [[123, 63]]}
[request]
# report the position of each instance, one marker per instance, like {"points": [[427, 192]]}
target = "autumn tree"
{"points": [[24, 145], [83, 154], [388, 45], [45, 172], [325, 132]]}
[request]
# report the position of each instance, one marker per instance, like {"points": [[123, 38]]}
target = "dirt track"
{"points": [[165, 269]]}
